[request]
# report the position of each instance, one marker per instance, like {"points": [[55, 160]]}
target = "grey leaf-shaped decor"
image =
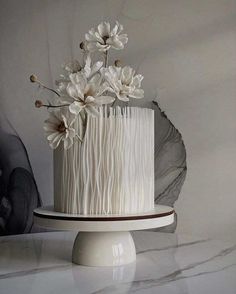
{"points": [[23, 196], [170, 160], [18, 191]]}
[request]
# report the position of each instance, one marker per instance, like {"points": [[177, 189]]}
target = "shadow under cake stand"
{"points": [[104, 240]]}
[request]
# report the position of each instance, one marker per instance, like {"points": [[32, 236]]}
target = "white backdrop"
{"points": [[187, 52]]}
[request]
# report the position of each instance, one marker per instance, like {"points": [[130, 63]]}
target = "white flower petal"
{"points": [[73, 66], [123, 38], [99, 38], [103, 87], [87, 66], [92, 46], [52, 120], [95, 81], [55, 143], [78, 78], [91, 110], [114, 30], [66, 99], [64, 120], [53, 136], [127, 75], [49, 128], [68, 142], [120, 27], [62, 86], [90, 36], [76, 107], [104, 29], [102, 47], [137, 93], [123, 98], [72, 91], [114, 72], [111, 90], [104, 100], [115, 43], [89, 99], [96, 67], [70, 133], [137, 81]]}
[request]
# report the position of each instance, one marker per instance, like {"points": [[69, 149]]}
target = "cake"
{"points": [[103, 148], [112, 172]]}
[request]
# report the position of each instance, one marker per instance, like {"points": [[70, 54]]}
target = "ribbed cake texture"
{"points": [[112, 170]]}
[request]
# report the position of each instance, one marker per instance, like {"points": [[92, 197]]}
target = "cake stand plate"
{"points": [[104, 240]]}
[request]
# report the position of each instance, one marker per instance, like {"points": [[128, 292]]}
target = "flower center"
{"points": [[61, 127], [77, 68], [88, 93], [105, 38], [125, 83]]}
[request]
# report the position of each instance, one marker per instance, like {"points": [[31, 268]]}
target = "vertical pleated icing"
{"points": [[112, 171]]}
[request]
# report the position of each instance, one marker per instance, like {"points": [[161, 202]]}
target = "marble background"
{"points": [[185, 50]]}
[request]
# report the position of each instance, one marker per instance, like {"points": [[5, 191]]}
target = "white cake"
{"points": [[112, 171]]}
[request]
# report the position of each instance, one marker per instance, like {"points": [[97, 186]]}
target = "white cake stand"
{"points": [[104, 240]]}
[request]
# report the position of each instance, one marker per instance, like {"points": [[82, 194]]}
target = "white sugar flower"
{"points": [[105, 37], [86, 68], [59, 127], [72, 66], [87, 94], [123, 82]]}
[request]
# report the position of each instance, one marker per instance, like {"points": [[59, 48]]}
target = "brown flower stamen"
{"points": [[88, 93], [38, 103], [82, 46], [105, 38], [117, 63], [33, 79], [61, 127]]}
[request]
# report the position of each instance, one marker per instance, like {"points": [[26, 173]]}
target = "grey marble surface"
{"points": [[166, 263]]}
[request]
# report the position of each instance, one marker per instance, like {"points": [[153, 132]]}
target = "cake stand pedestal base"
{"points": [[103, 249], [104, 240]]}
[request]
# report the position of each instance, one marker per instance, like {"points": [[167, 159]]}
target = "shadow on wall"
{"points": [[18, 190]]}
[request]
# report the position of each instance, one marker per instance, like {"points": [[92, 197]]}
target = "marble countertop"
{"points": [[166, 263]]}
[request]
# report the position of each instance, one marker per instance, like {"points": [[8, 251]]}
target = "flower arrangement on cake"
{"points": [[103, 153]]}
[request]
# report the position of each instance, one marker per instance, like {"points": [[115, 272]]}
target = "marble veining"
{"points": [[173, 246], [140, 285], [173, 276], [166, 263], [35, 271]]}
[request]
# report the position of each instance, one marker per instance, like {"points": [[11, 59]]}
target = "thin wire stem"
{"points": [[49, 89], [106, 58], [54, 106]]}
